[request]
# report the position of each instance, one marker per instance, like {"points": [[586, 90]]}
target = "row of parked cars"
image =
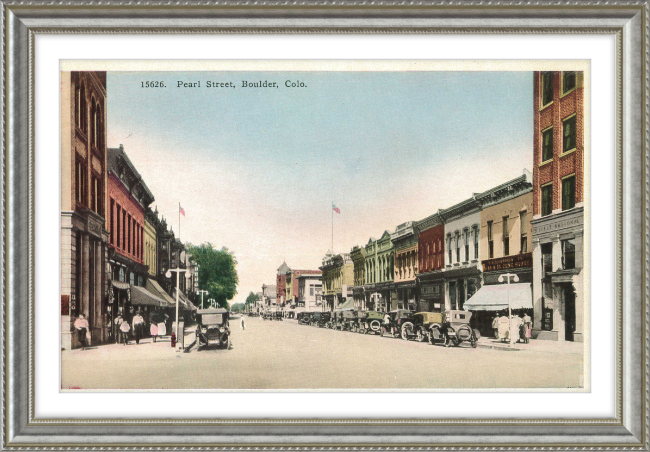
{"points": [[448, 328]]}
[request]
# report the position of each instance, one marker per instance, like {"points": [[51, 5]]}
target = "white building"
{"points": [[310, 293]]}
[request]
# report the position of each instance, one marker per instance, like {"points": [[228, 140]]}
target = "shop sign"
{"points": [[557, 226], [432, 290], [506, 263]]}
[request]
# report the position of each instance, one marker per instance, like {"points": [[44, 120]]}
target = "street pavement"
{"points": [[286, 355]]}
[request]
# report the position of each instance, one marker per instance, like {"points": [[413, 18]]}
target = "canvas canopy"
{"points": [[347, 305], [495, 297], [142, 297]]}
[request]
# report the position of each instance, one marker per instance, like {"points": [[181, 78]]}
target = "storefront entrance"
{"points": [[569, 312]]}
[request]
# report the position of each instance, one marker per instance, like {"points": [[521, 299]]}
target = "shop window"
{"points": [[490, 241], [523, 219], [471, 288], [569, 134], [547, 144], [568, 81], [547, 259], [506, 237], [568, 254], [547, 199], [452, 294], [568, 193], [547, 88]]}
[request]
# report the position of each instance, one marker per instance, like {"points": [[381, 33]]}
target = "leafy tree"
{"points": [[251, 299], [217, 272], [237, 307]]}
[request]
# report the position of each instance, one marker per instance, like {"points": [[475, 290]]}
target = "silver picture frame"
{"points": [[629, 21]]}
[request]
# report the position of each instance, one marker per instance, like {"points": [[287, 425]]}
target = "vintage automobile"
{"points": [[401, 324], [454, 329], [212, 328], [324, 319], [336, 320], [303, 318], [350, 321], [371, 322], [422, 324]]}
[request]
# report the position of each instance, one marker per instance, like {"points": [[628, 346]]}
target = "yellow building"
{"points": [[150, 256]]}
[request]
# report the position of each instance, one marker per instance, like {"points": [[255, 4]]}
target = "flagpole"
{"points": [[179, 220], [332, 227]]}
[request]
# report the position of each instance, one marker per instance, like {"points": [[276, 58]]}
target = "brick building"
{"points": [[281, 283], [128, 198], [405, 241], [431, 262], [558, 212], [84, 239]]}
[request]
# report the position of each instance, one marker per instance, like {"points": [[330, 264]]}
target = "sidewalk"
{"points": [[534, 345]]}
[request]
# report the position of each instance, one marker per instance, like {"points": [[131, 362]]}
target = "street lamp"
{"points": [[515, 278], [178, 271], [202, 292], [211, 302]]}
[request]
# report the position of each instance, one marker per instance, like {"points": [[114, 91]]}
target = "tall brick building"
{"points": [[84, 239], [558, 212]]}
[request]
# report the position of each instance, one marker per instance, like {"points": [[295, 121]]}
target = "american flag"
{"points": [[336, 209], [181, 210]]}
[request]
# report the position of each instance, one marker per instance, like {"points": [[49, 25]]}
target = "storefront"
{"points": [[432, 293], [558, 294], [406, 295], [460, 285]]}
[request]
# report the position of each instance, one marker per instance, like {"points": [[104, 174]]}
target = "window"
{"points": [[118, 243], [568, 254], [466, 246], [449, 248], [569, 134], [568, 81], [547, 144], [523, 218], [96, 202], [311, 290], [457, 247], [547, 88], [476, 243], [80, 185], [547, 199], [547, 259], [568, 193], [112, 221], [506, 237], [490, 241]]}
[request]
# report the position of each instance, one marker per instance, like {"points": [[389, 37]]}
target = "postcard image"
{"points": [[318, 226]]}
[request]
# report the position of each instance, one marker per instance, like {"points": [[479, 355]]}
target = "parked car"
{"points": [[455, 329], [371, 322], [324, 319], [212, 328], [350, 321], [400, 324], [423, 322]]}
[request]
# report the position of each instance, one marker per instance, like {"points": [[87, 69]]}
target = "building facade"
{"points": [[281, 283], [338, 278], [558, 206], [150, 244], [358, 256], [310, 292], [431, 263], [405, 242], [84, 236], [462, 273], [128, 199]]}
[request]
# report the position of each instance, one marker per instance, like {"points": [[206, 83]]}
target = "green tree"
{"points": [[217, 272], [237, 307], [251, 299]]}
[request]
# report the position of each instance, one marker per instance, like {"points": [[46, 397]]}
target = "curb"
{"points": [[499, 347]]}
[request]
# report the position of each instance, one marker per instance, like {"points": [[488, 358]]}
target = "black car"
{"points": [[213, 328]]}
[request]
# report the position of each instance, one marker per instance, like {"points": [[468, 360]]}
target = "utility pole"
{"points": [[178, 271]]}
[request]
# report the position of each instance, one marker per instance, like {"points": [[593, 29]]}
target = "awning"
{"points": [[184, 302], [155, 288], [495, 297], [120, 285], [347, 305], [142, 297]]}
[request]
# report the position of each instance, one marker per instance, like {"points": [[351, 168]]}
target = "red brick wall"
{"points": [[431, 249], [281, 288], [121, 197], [552, 115]]}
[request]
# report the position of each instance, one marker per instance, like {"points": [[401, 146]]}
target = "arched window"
{"points": [[93, 121], [99, 127], [83, 121]]}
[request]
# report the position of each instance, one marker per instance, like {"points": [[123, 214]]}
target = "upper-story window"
{"points": [[476, 234], [523, 219], [568, 254], [457, 246], [547, 199], [568, 192], [547, 88], [506, 237], [569, 134], [547, 144], [568, 81], [80, 106], [449, 248], [466, 238], [490, 240]]}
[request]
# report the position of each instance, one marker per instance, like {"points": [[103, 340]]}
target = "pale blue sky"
{"points": [[256, 169]]}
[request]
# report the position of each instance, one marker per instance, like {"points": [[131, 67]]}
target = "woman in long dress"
{"points": [[162, 329], [153, 330]]}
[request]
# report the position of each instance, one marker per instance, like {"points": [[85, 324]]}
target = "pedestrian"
{"points": [[125, 328], [243, 325], [153, 330], [138, 326], [162, 328], [83, 331], [528, 322], [118, 323], [504, 328], [495, 326]]}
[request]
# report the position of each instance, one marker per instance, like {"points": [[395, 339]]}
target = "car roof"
{"points": [[212, 311]]}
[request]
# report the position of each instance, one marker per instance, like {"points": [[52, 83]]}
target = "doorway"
{"points": [[569, 312]]}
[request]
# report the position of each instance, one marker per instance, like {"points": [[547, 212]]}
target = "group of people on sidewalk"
{"points": [[124, 329], [520, 327]]}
